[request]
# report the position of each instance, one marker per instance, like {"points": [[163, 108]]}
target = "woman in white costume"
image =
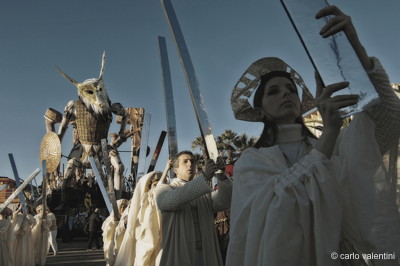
{"points": [[6, 237], [121, 229], [142, 240], [23, 243], [40, 233], [53, 231], [108, 227], [298, 200]]}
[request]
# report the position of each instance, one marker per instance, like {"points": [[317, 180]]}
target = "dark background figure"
{"points": [[94, 229]]}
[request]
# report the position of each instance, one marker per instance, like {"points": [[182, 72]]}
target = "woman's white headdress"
{"points": [[244, 90]]}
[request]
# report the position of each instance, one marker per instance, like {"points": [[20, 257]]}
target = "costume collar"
{"points": [[290, 133]]}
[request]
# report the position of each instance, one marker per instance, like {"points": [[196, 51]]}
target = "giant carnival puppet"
{"points": [[91, 116]]}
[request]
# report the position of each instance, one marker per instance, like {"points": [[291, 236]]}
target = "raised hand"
{"points": [[328, 108], [165, 173], [338, 22], [210, 170], [342, 22]]}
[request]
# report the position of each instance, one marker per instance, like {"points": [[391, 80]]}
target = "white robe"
{"points": [[141, 242], [109, 242], [40, 234], [108, 228], [53, 232], [120, 230], [23, 244], [6, 241], [297, 215]]}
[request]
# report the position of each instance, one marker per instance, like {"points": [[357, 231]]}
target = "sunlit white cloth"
{"points": [[53, 232], [108, 227], [23, 243], [6, 241], [40, 234], [141, 243]]}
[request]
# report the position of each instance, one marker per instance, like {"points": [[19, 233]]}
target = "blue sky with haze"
{"points": [[223, 38]]}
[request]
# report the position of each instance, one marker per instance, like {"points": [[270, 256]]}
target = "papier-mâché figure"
{"points": [[91, 115]]}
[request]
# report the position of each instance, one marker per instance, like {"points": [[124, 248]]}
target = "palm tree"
{"points": [[198, 158], [229, 144], [243, 141], [226, 144], [198, 143]]}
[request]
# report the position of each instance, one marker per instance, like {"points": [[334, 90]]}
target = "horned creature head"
{"points": [[93, 93]]}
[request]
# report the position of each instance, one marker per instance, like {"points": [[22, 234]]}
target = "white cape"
{"points": [[142, 240], [299, 215]]}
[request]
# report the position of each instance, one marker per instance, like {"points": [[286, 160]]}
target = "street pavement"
{"points": [[74, 253]]}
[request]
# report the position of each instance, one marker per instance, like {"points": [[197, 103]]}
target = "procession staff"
{"points": [[297, 199], [188, 205]]}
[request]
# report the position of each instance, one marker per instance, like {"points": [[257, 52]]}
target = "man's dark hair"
{"points": [[176, 159]]}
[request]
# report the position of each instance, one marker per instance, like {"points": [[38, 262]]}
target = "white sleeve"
{"points": [[371, 219]]}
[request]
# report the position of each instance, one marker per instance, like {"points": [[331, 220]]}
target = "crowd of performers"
{"points": [[26, 238], [294, 199]]}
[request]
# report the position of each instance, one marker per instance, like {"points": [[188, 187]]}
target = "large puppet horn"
{"points": [[67, 77], [102, 65]]}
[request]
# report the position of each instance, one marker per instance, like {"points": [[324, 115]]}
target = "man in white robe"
{"points": [[53, 231], [41, 232], [23, 243], [6, 237]]}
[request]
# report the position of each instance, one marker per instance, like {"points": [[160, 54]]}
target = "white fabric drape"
{"points": [[6, 241], [23, 243], [141, 242], [296, 215], [40, 234]]}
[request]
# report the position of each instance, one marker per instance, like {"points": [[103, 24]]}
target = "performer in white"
{"points": [[120, 230], [108, 228], [6, 237], [298, 200], [53, 231], [141, 244], [23, 243], [188, 206], [41, 232]]}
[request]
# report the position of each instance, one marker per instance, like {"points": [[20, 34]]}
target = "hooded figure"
{"points": [[6, 237], [23, 244], [108, 229], [142, 240], [40, 233]]}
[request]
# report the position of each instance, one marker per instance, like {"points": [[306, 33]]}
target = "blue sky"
{"points": [[223, 38]]}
